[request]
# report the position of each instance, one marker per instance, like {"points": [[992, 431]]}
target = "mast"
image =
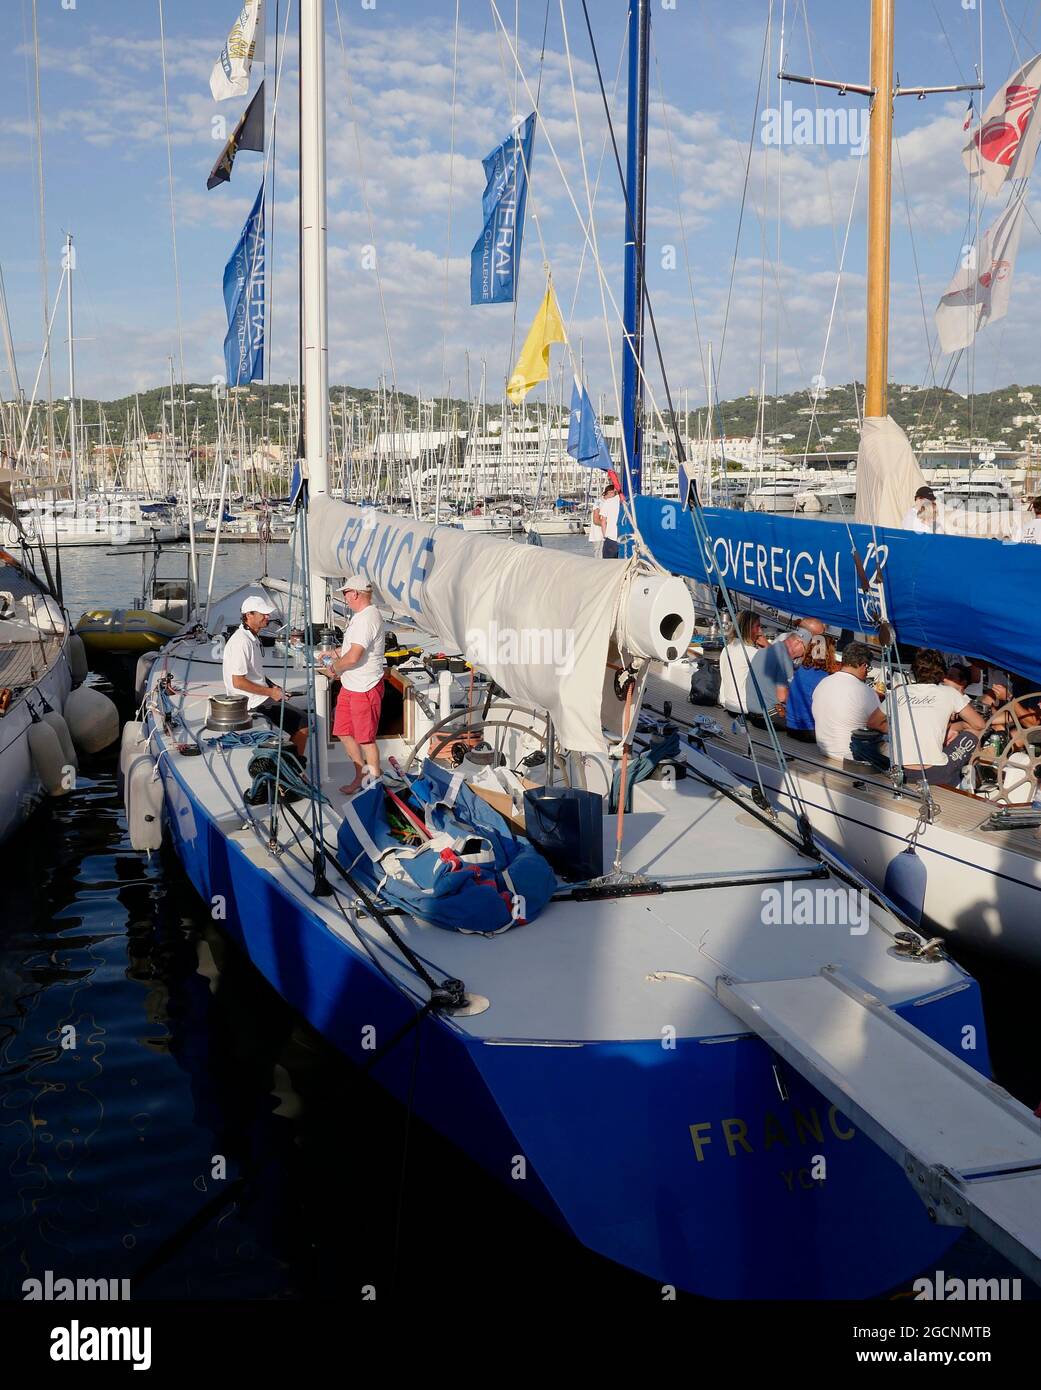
{"points": [[73, 461], [314, 382], [635, 239], [314, 299], [880, 186]]}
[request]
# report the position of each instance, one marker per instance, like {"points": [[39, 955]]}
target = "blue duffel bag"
{"points": [[473, 874]]}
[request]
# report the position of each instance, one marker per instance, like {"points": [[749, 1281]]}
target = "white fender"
{"points": [[134, 745], [145, 662], [47, 757], [61, 728], [92, 718], [78, 658], [144, 798]]}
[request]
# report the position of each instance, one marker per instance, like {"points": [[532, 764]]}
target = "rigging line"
{"points": [[682, 221], [451, 193], [590, 203], [834, 303], [580, 219], [40, 185], [831, 204], [640, 250], [365, 198], [744, 200], [917, 269], [170, 179]]}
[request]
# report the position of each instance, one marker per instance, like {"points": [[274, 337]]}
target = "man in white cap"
{"points": [[360, 669], [243, 667]]}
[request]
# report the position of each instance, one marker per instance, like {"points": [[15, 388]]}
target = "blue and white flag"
{"points": [[495, 258], [244, 301], [585, 439]]}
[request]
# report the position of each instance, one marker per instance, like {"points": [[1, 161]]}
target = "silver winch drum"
{"points": [[229, 713]]}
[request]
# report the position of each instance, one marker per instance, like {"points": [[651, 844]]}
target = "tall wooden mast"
{"points": [[880, 190]]}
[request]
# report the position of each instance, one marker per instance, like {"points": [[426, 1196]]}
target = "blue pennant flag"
{"points": [[495, 259], [244, 301], [585, 439]]}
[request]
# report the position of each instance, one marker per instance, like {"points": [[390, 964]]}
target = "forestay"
{"points": [[538, 621]]}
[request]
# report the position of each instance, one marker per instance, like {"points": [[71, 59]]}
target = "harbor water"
{"points": [[167, 1119]]}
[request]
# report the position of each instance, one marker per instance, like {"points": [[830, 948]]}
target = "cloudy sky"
{"points": [[739, 221]]}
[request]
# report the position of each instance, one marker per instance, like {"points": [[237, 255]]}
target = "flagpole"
{"points": [[636, 221], [880, 188]]}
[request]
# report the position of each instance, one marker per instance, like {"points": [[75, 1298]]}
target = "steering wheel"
{"points": [[460, 716], [1023, 742]]}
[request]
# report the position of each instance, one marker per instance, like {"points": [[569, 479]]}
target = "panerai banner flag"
{"points": [[1004, 144], [244, 301], [247, 135], [230, 75], [496, 255], [979, 293]]}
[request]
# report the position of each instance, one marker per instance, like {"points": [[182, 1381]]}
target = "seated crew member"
{"points": [[923, 710], [771, 672], [360, 669], [846, 701], [735, 659], [816, 666], [243, 670], [924, 514]]}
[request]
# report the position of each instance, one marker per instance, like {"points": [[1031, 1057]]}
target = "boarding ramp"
{"points": [[971, 1152]]}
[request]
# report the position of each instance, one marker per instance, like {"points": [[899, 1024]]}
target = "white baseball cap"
{"points": [[257, 603], [358, 583]]}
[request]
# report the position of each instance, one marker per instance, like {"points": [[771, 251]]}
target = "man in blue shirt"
{"points": [[770, 675]]}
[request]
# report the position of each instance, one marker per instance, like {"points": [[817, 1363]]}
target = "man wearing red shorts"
{"points": [[360, 668]]}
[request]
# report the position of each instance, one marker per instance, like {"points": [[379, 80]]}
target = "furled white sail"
{"points": [[538, 621], [888, 475]]}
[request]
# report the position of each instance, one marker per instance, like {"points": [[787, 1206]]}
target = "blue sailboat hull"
{"points": [[682, 1163]]}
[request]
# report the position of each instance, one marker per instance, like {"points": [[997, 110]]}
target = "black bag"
{"points": [[565, 825], [705, 684]]}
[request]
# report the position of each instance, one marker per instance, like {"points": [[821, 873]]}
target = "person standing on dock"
{"points": [[605, 517], [360, 669], [243, 670]]}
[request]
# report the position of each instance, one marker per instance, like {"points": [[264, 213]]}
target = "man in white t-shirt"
{"points": [[844, 701], [360, 669], [605, 516], [923, 709], [243, 670], [925, 514]]}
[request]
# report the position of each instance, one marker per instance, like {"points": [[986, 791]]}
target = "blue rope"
{"points": [[250, 738]]}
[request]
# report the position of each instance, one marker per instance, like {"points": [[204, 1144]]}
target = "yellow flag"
{"points": [[533, 362]]}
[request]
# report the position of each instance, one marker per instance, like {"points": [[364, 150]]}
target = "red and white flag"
{"points": [[979, 293], [1004, 144], [969, 115]]}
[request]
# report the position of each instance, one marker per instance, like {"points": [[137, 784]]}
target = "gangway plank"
{"points": [[971, 1151]]}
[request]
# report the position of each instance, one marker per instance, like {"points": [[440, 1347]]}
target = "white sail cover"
{"points": [[538, 621], [888, 475]]}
